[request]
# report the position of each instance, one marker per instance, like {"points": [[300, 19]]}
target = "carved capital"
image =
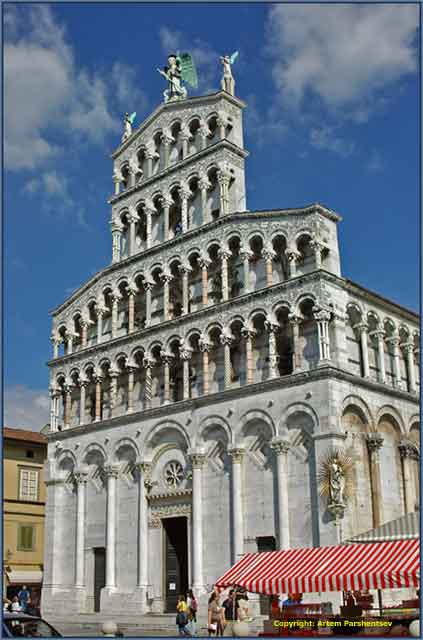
{"points": [[185, 353], [409, 449], [166, 358], [204, 262], [292, 254], [111, 470], [271, 326], [280, 446], [116, 226], [81, 476], [248, 333], [294, 319], [197, 458], [374, 442], [361, 327], [226, 339], [83, 382], [204, 344], [268, 253], [166, 276], [224, 254], [237, 454], [148, 285], [148, 363], [321, 315]]}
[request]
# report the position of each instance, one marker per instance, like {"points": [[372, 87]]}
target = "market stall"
{"points": [[344, 568]]}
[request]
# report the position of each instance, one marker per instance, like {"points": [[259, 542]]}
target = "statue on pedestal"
{"points": [[180, 68], [228, 82]]}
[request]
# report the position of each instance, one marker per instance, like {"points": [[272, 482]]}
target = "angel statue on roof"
{"points": [[228, 82], [128, 121], [180, 68]]}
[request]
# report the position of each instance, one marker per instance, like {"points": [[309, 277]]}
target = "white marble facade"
{"points": [[206, 372]]}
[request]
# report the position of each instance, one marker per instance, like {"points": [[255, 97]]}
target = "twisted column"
{"points": [[204, 264], [197, 460], [205, 347], [237, 501], [68, 399], [227, 340], [271, 329], [294, 321], [409, 453], [362, 328], [166, 278], [248, 334], [184, 193], [111, 472], [148, 365], [81, 477], [224, 256], [374, 443], [293, 256], [113, 374], [281, 449], [269, 254]]}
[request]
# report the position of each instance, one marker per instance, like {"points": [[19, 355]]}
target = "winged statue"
{"points": [[228, 83], [180, 68], [127, 123]]}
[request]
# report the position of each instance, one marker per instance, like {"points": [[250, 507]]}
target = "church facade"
{"points": [[199, 380]]}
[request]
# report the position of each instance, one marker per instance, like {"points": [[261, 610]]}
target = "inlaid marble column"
{"points": [[185, 355], [131, 291], [281, 449], [248, 335], [131, 377], [204, 184], [113, 375], [100, 311], [272, 328], [83, 383], [144, 482], [246, 256], [411, 374], [205, 347], [197, 460], [374, 443], [166, 204], [409, 456], [223, 180], [148, 286], [81, 477], [166, 359], [363, 328], [293, 257], [166, 278], [115, 309], [394, 341], [148, 366], [227, 340], [98, 380], [379, 336], [295, 321], [111, 472], [185, 270], [68, 400], [84, 332], [317, 248], [224, 255], [184, 194], [237, 502], [269, 254], [322, 317], [133, 218], [204, 264], [117, 228], [203, 132]]}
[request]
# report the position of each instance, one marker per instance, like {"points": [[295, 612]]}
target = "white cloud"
{"points": [[375, 162], [343, 55], [326, 138], [267, 126], [45, 92], [26, 408]]}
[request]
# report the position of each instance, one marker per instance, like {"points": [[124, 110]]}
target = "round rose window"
{"points": [[173, 474]]}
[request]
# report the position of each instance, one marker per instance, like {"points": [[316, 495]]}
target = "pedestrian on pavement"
{"points": [[229, 606], [182, 616], [216, 616], [24, 595], [192, 611]]}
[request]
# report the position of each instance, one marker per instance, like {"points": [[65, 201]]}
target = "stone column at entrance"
{"points": [[281, 448], [409, 455], [81, 477], [111, 472], [237, 502], [197, 460], [374, 443], [144, 478]]}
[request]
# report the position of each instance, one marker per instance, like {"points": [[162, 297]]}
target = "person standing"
{"points": [[229, 606], [182, 616], [192, 611], [24, 596], [216, 616]]}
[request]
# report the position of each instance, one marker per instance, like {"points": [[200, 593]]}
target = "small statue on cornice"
{"points": [[127, 123], [228, 82]]}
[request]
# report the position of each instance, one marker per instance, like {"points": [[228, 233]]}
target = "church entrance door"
{"points": [[176, 564], [99, 574]]}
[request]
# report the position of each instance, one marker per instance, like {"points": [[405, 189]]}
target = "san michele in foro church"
{"points": [[200, 381]]}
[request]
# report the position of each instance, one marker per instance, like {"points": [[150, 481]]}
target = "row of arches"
{"points": [[183, 285], [170, 145]]}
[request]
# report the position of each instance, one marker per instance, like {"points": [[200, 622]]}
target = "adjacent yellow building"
{"points": [[24, 453]]}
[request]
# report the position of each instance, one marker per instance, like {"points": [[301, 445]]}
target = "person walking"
{"points": [[229, 606], [182, 616], [216, 616], [192, 612]]}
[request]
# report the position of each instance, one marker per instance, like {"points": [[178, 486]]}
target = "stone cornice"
{"points": [[231, 218], [169, 496], [324, 373], [175, 168], [175, 106]]}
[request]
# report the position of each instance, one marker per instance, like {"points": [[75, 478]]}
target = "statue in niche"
{"points": [[228, 83], [337, 483]]}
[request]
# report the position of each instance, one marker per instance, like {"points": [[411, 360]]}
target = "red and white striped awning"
{"points": [[384, 565]]}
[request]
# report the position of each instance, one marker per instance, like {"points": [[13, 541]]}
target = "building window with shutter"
{"points": [[28, 485], [26, 537]]}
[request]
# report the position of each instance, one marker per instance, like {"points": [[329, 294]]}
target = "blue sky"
{"points": [[332, 116]]}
